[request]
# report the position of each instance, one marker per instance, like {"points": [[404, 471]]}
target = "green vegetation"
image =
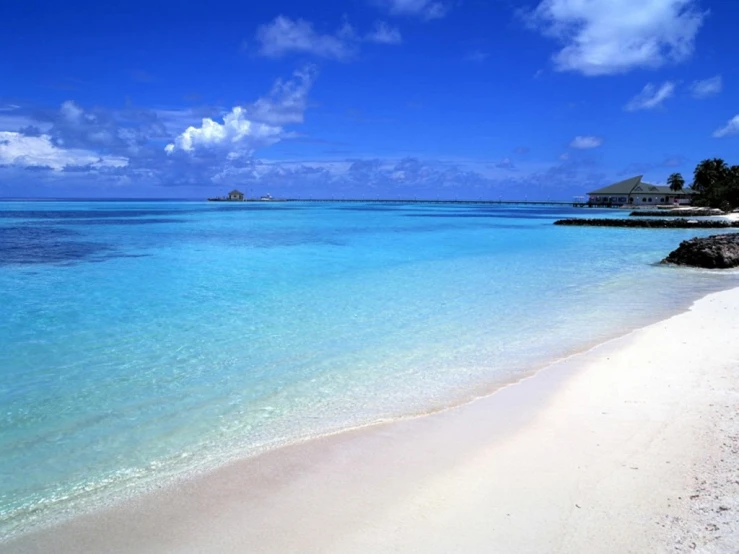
{"points": [[676, 182], [716, 183]]}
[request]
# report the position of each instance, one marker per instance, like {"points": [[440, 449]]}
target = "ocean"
{"points": [[144, 341]]}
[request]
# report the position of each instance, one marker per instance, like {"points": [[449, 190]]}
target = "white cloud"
{"points": [[651, 97], [9, 107], [384, 34], [425, 9], [285, 35], [71, 112], [731, 128], [24, 151], [125, 133], [174, 120], [584, 142], [247, 128], [286, 102], [605, 37], [707, 87], [235, 133]]}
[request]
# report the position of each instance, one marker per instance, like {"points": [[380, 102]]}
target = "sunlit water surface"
{"points": [[141, 340]]}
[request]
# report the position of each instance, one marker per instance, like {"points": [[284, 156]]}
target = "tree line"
{"points": [[715, 182]]}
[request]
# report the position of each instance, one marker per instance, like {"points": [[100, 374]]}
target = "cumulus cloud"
{"points": [[606, 37], [286, 102], [707, 87], [384, 34], [584, 142], [651, 97], [72, 112], [731, 128], [123, 133], [236, 133], [128, 146], [174, 120], [73, 138], [40, 152], [284, 35], [210, 173], [247, 128], [425, 9]]}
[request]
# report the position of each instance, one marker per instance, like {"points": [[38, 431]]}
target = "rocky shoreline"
{"points": [[714, 252], [680, 223]]}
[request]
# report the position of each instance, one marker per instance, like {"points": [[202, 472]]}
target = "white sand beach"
{"points": [[632, 446]]}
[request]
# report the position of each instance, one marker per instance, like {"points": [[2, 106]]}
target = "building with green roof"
{"points": [[635, 192]]}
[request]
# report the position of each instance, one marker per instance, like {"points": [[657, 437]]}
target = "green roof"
{"points": [[635, 185], [622, 187]]}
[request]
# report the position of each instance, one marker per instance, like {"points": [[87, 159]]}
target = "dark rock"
{"points": [[649, 223], [695, 212], [714, 252]]}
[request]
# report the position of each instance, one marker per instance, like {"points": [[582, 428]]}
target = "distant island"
{"points": [[237, 196]]}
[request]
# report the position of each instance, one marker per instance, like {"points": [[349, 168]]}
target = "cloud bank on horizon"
{"points": [[377, 100]]}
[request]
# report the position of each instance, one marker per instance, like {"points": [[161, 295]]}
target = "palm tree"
{"points": [[676, 182], [709, 175], [732, 186], [709, 180]]}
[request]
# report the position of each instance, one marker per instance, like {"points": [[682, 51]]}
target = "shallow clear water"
{"points": [[139, 340]]}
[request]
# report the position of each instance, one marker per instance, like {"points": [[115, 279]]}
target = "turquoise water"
{"points": [[141, 340]]}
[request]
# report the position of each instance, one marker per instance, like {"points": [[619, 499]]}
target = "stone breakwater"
{"points": [[714, 252], [698, 212], [680, 223]]}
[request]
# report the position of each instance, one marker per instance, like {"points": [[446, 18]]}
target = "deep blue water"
{"points": [[140, 340]]}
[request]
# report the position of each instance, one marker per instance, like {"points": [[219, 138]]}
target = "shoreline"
{"points": [[470, 394], [394, 485]]}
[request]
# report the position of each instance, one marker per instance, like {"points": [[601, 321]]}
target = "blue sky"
{"points": [[511, 99]]}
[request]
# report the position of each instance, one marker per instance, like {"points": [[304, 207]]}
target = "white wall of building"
{"points": [[639, 200]]}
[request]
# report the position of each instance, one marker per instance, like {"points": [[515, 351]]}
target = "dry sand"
{"points": [[630, 447]]}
